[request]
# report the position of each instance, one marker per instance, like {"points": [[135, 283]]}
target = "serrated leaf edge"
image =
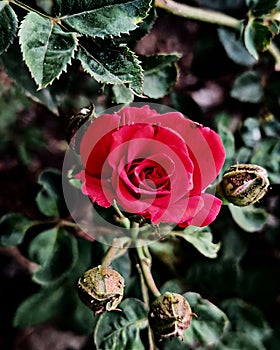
{"points": [[40, 86], [117, 34]]}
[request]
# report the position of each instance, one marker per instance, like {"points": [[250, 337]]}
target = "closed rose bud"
{"points": [[76, 128], [169, 316], [101, 289], [243, 184]]}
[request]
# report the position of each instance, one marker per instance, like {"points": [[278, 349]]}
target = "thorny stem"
{"points": [[145, 265]]}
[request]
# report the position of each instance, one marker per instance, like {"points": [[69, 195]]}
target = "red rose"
{"points": [[155, 165]]}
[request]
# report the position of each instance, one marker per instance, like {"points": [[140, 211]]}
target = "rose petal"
{"points": [[207, 214], [93, 187], [205, 145], [96, 142], [179, 211]]}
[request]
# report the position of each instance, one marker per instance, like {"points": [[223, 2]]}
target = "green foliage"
{"points": [[249, 218], [248, 88], [161, 73], [8, 26], [209, 327], [113, 65], [121, 329], [13, 228], [56, 252], [105, 19], [47, 51], [247, 319], [235, 48], [39, 307], [201, 239], [50, 199], [50, 45]]}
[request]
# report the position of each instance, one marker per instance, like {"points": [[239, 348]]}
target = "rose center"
{"points": [[146, 174]]}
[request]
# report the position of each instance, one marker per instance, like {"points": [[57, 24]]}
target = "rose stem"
{"points": [[118, 248], [145, 265], [145, 295], [210, 16], [199, 14], [121, 219]]}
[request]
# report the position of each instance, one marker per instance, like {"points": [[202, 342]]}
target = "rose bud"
{"points": [[101, 289], [243, 184], [76, 123], [169, 316]]}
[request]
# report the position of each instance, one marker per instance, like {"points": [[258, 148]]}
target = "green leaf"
{"points": [[229, 144], [110, 64], [63, 7], [250, 132], [250, 218], [201, 239], [246, 318], [47, 50], [17, 70], [39, 307], [13, 228], [8, 26], [121, 329], [160, 74], [105, 18], [236, 340], [210, 326], [50, 200], [57, 252], [261, 7], [257, 37], [248, 88], [122, 94], [235, 48], [267, 154]]}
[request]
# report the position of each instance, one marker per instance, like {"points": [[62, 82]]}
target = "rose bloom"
{"points": [[151, 164]]}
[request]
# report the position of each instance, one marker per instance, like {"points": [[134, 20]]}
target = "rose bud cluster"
{"points": [[243, 184], [169, 316], [101, 289]]}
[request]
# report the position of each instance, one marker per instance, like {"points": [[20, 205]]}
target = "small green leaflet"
{"points": [[201, 239], [161, 74], [8, 26], [104, 18], [39, 307], [257, 37], [46, 48], [113, 65], [250, 218], [13, 227], [121, 329], [57, 253]]}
